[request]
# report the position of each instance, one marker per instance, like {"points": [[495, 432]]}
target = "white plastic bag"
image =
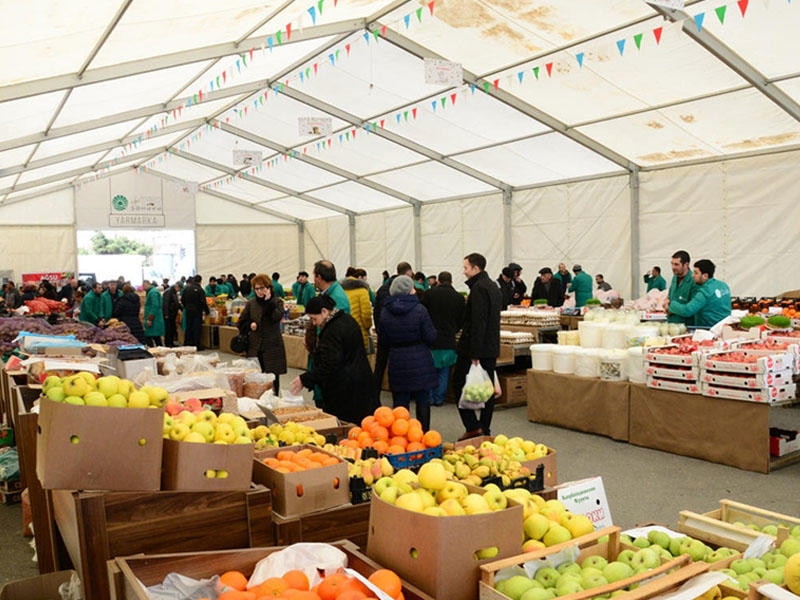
{"points": [[307, 556], [478, 388], [179, 587]]}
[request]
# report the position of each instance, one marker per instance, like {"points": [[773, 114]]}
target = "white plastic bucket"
{"points": [[564, 359], [636, 365], [612, 365], [615, 336], [587, 362], [592, 333], [542, 357]]}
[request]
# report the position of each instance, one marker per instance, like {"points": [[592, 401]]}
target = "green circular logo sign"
{"points": [[119, 202]]}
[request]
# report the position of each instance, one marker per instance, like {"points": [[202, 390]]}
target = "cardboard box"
{"points": [[438, 554], [688, 387], [128, 574], [303, 492], [43, 587], [226, 334], [715, 361], [187, 466], [549, 461], [749, 380], [515, 388], [38, 369], [98, 448], [783, 442], [658, 356], [767, 395], [666, 372]]}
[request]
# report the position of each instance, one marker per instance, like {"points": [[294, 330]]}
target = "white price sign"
{"points": [[442, 72]]}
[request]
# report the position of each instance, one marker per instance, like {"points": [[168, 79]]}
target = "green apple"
{"points": [[773, 560], [204, 428], [616, 571], [568, 585], [645, 558], [592, 578], [770, 529], [547, 576], [138, 400], [578, 525], [452, 507], [118, 401], [410, 501], [536, 593], [774, 575], [641, 542], [428, 499], [168, 423], [790, 546], [515, 586], [675, 545], [659, 537], [50, 381], [108, 385], [382, 483], [452, 489], [125, 387], [595, 562], [741, 566], [77, 400], [243, 439], [557, 534], [494, 497], [207, 416], [626, 556], [75, 385], [475, 504], [95, 398], [795, 533], [222, 474], [55, 393], [569, 567], [224, 432]]}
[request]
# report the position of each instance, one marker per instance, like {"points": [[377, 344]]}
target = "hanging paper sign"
{"points": [[442, 72], [671, 4], [246, 158], [315, 125]]}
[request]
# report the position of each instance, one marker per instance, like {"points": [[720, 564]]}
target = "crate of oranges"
{"points": [[394, 434], [303, 479]]}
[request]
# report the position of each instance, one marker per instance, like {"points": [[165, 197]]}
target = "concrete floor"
{"points": [[642, 485]]}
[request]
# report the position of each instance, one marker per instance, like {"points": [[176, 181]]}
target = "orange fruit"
{"points": [[270, 588], [388, 581], [398, 440], [238, 595], [292, 594], [414, 434], [351, 595], [380, 433], [399, 427], [296, 579], [384, 416], [394, 449], [352, 434], [364, 439], [380, 446], [330, 587], [415, 446], [367, 421], [400, 412], [432, 438], [235, 580], [414, 423]]}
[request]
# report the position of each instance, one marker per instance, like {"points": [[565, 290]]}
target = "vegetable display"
{"points": [[115, 334]]}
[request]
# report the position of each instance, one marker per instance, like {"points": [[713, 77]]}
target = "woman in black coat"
{"points": [[262, 317], [407, 330], [340, 366], [126, 309]]}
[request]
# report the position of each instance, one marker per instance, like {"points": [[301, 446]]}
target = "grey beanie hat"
{"points": [[402, 284]]}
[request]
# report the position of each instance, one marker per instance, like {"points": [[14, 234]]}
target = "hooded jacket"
{"points": [[357, 291]]}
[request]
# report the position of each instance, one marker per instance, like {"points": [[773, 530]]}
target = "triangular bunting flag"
{"points": [[308, 72], [433, 104], [453, 98], [383, 31], [302, 76], [430, 7], [743, 6], [414, 111], [637, 39], [657, 34], [621, 46], [332, 59], [269, 43], [376, 34], [366, 37], [486, 86], [405, 115], [383, 122], [316, 68], [579, 57], [347, 49], [496, 83], [288, 31], [443, 100], [520, 75], [347, 135], [397, 116], [313, 12], [419, 15], [720, 10], [244, 60], [536, 72], [698, 20], [549, 67], [319, 6], [407, 20], [353, 131], [336, 54], [279, 37], [472, 87]]}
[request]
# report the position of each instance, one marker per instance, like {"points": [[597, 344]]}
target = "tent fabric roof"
{"points": [[550, 92]]}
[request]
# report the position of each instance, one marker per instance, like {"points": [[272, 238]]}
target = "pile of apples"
{"points": [[781, 567], [85, 389], [206, 427], [670, 547], [572, 577], [289, 434], [502, 457], [370, 469], [547, 522]]}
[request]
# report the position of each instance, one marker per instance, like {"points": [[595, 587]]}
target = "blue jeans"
{"points": [[439, 392], [422, 408]]}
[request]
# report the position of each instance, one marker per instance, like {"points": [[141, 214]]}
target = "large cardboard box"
{"points": [[43, 587], [438, 554], [129, 574], [515, 388], [226, 334], [188, 466], [98, 447], [303, 492]]}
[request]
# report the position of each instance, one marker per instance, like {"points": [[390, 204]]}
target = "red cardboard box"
{"points": [[303, 492], [187, 466], [98, 448]]}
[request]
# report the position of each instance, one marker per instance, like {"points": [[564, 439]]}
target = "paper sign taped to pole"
{"points": [[246, 158], [586, 497], [315, 125], [443, 72]]}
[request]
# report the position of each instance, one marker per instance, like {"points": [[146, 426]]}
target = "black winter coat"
{"points": [[381, 296], [267, 339], [506, 291], [480, 335], [407, 330], [341, 370], [171, 304], [554, 297], [126, 309], [193, 299], [446, 308]]}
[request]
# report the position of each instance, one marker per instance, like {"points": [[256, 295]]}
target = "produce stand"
{"points": [[580, 403]]}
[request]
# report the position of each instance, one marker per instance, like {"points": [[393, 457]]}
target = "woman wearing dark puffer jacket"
{"points": [[407, 330]]}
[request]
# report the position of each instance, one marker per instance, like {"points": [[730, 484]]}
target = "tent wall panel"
{"points": [[327, 239], [38, 249], [55, 208], [247, 249], [211, 210], [742, 214], [383, 240]]}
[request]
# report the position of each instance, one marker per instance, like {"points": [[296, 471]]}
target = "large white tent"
{"points": [[605, 133]]}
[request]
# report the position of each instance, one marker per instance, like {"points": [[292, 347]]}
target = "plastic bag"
{"points": [[179, 587], [478, 388], [9, 464], [306, 556], [255, 384]]}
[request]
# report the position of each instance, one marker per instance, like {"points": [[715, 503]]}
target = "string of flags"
{"points": [[527, 76]]}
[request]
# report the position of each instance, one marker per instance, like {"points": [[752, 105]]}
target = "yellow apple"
{"points": [[196, 437], [432, 476], [138, 400], [410, 501]]}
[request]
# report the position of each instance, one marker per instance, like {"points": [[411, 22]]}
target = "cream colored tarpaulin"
{"points": [[383, 240], [247, 249], [37, 249]]}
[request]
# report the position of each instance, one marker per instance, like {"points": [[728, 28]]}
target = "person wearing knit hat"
{"points": [[407, 330]]}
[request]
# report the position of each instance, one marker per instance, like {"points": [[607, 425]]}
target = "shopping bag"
{"points": [[478, 388]]}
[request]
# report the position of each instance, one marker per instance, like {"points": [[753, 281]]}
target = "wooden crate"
{"points": [[717, 526], [651, 583], [350, 521], [98, 526], [126, 573]]}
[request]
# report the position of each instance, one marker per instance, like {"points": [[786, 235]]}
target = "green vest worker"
{"points": [[581, 285], [682, 287], [711, 301], [654, 280]]}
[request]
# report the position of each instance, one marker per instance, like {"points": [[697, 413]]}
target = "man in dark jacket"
{"points": [[446, 307], [381, 352], [170, 307], [480, 339], [547, 288], [506, 285], [193, 299], [517, 284]]}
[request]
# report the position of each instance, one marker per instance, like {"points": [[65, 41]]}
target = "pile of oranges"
{"points": [[294, 585], [290, 461], [391, 431]]}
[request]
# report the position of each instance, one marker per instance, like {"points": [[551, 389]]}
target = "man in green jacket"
{"points": [[153, 315], [302, 289], [581, 285], [682, 287], [91, 306], [277, 287], [711, 301], [109, 299], [654, 280]]}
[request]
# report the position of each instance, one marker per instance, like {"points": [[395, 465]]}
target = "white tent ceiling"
{"points": [[551, 92]]}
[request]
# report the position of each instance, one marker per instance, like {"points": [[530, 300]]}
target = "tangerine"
{"points": [[388, 581], [272, 587], [415, 446], [234, 579], [351, 595], [414, 423], [380, 446], [395, 449], [400, 412], [384, 416], [237, 595], [367, 421], [398, 440], [330, 587], [432, 438], [380, 433], [296, 579], [352, 434], [415, 434], [400, 426]]}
